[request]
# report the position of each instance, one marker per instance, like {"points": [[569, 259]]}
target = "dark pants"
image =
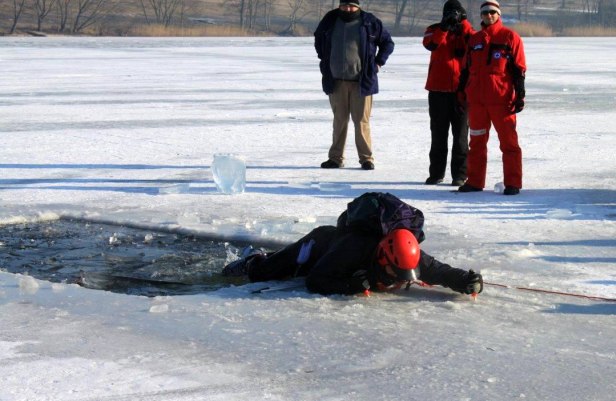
{"points": [[443, 113], [335, 258], [283, 264]]}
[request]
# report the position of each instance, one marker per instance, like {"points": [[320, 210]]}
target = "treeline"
{"points": [[275, 17]]}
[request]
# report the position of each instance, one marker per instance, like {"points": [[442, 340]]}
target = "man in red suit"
{"points": [[493, 90]]}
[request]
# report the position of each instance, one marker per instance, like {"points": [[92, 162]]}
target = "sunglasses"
{"points": [[491, 12]]}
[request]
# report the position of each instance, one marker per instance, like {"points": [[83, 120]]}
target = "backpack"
{"points": [[380, 213]]}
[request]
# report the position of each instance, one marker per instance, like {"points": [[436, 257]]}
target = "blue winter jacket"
{"points": [[375, 45]]}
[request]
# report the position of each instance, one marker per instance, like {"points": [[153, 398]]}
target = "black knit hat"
{"points": [[350, 2], [453, 5]]}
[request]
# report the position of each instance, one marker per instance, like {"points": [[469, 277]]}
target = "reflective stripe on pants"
{"points": [[481, 118]]}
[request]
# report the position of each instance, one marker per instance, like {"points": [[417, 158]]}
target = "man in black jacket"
{"points": [[343, 260]]}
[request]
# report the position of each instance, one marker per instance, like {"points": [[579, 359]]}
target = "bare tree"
{"points": [[87, 13], [268, 11], [252, 9], [522, 10], [64, 7], [412, 9], [297, 13], [606, 10], [240, 6], [249, 10], [418, 9], [319, 8], [18, 8], [42, 8], [164, 10], [400, 8]]}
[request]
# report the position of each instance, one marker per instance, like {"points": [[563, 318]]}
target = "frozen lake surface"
{"points": [[123, 131]]}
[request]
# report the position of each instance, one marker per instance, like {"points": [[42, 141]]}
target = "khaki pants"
{"points": [[346, 101]]}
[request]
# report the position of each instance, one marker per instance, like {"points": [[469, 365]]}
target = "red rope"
{"points": [[568, 294]]}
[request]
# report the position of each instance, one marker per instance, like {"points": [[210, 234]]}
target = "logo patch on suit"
{"points": [[497, 55]]}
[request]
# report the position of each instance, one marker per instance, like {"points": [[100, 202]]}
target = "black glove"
{"points": [[450, 21], [518, 105], [359, 282], [474, 283], [520, 92]]}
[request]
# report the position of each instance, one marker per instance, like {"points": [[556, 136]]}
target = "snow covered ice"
{"points": [[229, 173], [104, 129]]}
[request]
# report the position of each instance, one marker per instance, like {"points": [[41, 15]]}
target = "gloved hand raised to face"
{"points": [[451, 21]]}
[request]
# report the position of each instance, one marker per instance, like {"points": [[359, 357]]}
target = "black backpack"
{"points": [[380, 213]]}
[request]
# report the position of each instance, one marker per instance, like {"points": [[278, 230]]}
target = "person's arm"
{"points": [[434, 37], [433, 272], [518, 72], [320, 32], [318, 40], [385, 46]]}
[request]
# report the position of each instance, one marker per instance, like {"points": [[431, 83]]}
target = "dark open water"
{"points": [[116, 258]]}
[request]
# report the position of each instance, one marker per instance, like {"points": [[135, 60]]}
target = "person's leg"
{"points": [[340, 104], [459, 149], [505, 125], [439, 129], [479, 124], [361, 108], [284, 264]]}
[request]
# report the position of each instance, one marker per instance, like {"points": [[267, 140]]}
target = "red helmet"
{"points": [[400, 250]]}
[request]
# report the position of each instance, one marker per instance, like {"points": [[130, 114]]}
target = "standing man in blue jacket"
{"points": [[352, 45]]}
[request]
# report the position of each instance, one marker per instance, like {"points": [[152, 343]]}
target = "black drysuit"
{"points": [[341, 260]]}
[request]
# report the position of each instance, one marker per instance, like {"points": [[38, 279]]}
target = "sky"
{"points": [[124, 131]]}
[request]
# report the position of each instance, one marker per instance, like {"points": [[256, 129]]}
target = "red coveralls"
{"points": [[444, 71], [495, 55]]}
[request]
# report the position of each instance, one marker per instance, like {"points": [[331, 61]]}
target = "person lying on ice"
{"points": [[349, 260]]}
